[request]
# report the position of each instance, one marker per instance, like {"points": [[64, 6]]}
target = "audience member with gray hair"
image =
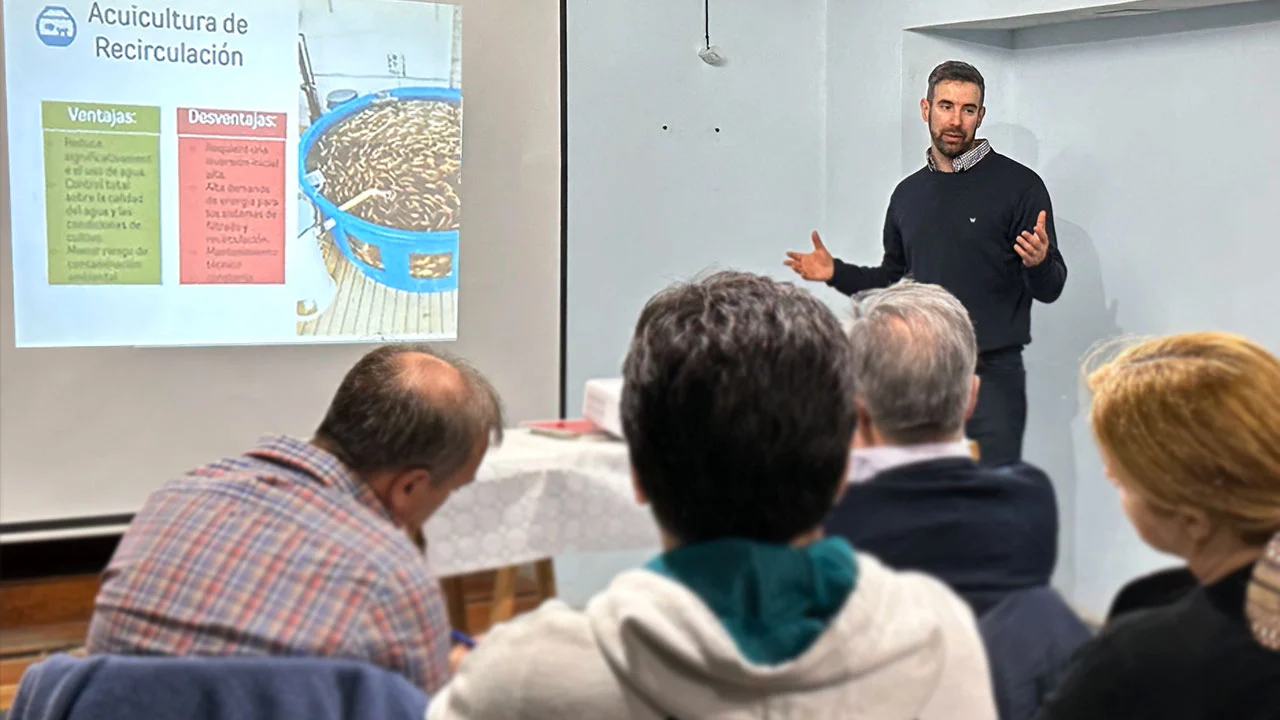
{"points": [[916, 497], [914, 354]]}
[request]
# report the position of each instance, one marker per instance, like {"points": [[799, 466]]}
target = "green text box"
{"points": [[102, 204]]}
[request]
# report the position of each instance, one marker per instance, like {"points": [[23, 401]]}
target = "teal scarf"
{"points": [[774, 600]]}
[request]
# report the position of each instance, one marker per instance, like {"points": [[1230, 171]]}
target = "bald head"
{"points": [[430, 375], [410, 406]]}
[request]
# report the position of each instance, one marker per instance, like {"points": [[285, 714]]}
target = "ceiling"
{"points": [[1095, 12]]}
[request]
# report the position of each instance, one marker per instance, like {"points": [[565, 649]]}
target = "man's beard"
{"points": [[949, 149]]}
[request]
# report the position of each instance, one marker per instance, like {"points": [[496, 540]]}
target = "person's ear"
{"points": [[973, 397], [924, 110], [406, 491], [1194, 525], [862, 435], [639, 491], [982, 113]]}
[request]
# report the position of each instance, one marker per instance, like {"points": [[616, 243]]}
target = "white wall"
{"points": [[648, 206], [864, 123], [1157, 138]]}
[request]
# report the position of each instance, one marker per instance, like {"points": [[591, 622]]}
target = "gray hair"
{"points": [[914, 357]]}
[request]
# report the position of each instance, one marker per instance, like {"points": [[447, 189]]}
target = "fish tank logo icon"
{"points": [[55, 26]]}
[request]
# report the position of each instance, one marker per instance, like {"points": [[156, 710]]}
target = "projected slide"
{"points": [[234, 171]]}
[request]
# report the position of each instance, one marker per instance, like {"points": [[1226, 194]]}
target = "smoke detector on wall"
{"points": [[712, 55]]}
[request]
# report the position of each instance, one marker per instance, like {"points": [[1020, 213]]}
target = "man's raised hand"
{"points": [[1034, 247]]}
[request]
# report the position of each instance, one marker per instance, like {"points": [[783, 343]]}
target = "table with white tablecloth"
{"points": [[536, 497]]}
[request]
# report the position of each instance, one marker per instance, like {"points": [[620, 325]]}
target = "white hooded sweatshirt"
{"points": [[900, 646]]}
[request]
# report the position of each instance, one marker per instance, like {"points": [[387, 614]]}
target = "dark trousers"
{"points": [[999, 420], [1031, 637]]}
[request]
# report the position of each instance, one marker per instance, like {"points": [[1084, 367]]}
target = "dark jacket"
{"points": [[986, 532], [1195, 659], [1031, 637]]}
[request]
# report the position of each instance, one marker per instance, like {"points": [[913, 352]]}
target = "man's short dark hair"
{"points": [[395, 411], [737, 406], [957, 71]]}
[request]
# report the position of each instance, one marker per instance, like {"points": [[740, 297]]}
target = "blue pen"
{"points": [[463, 639]]}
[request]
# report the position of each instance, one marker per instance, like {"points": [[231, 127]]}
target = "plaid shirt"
{"points": [[282, 551], [964, 161]]}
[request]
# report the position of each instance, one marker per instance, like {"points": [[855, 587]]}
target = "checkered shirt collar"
{"points": [[962, 162], [322, 466]]}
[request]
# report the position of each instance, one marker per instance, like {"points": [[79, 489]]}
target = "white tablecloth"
{"points": [[536, 497]]}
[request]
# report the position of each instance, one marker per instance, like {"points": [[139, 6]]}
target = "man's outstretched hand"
{"points": [[816, 265]]}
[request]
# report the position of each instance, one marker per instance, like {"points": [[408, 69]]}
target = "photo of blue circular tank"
{"points": [[379, 170], [405, 258]]}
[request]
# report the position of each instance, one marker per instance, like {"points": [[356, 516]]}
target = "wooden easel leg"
{"points": [[546, 573], [454, 602], [504, 595]]}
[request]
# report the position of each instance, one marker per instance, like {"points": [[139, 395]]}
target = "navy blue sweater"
{"points": [[958, 230], [983, 531]]}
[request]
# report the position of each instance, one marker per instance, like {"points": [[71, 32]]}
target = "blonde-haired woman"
{"points": [[1189, 431]]}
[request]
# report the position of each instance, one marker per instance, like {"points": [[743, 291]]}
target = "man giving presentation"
{"points": [[980, 225]]}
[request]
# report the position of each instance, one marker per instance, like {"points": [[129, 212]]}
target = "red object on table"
{"points": [[573, 428]]}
